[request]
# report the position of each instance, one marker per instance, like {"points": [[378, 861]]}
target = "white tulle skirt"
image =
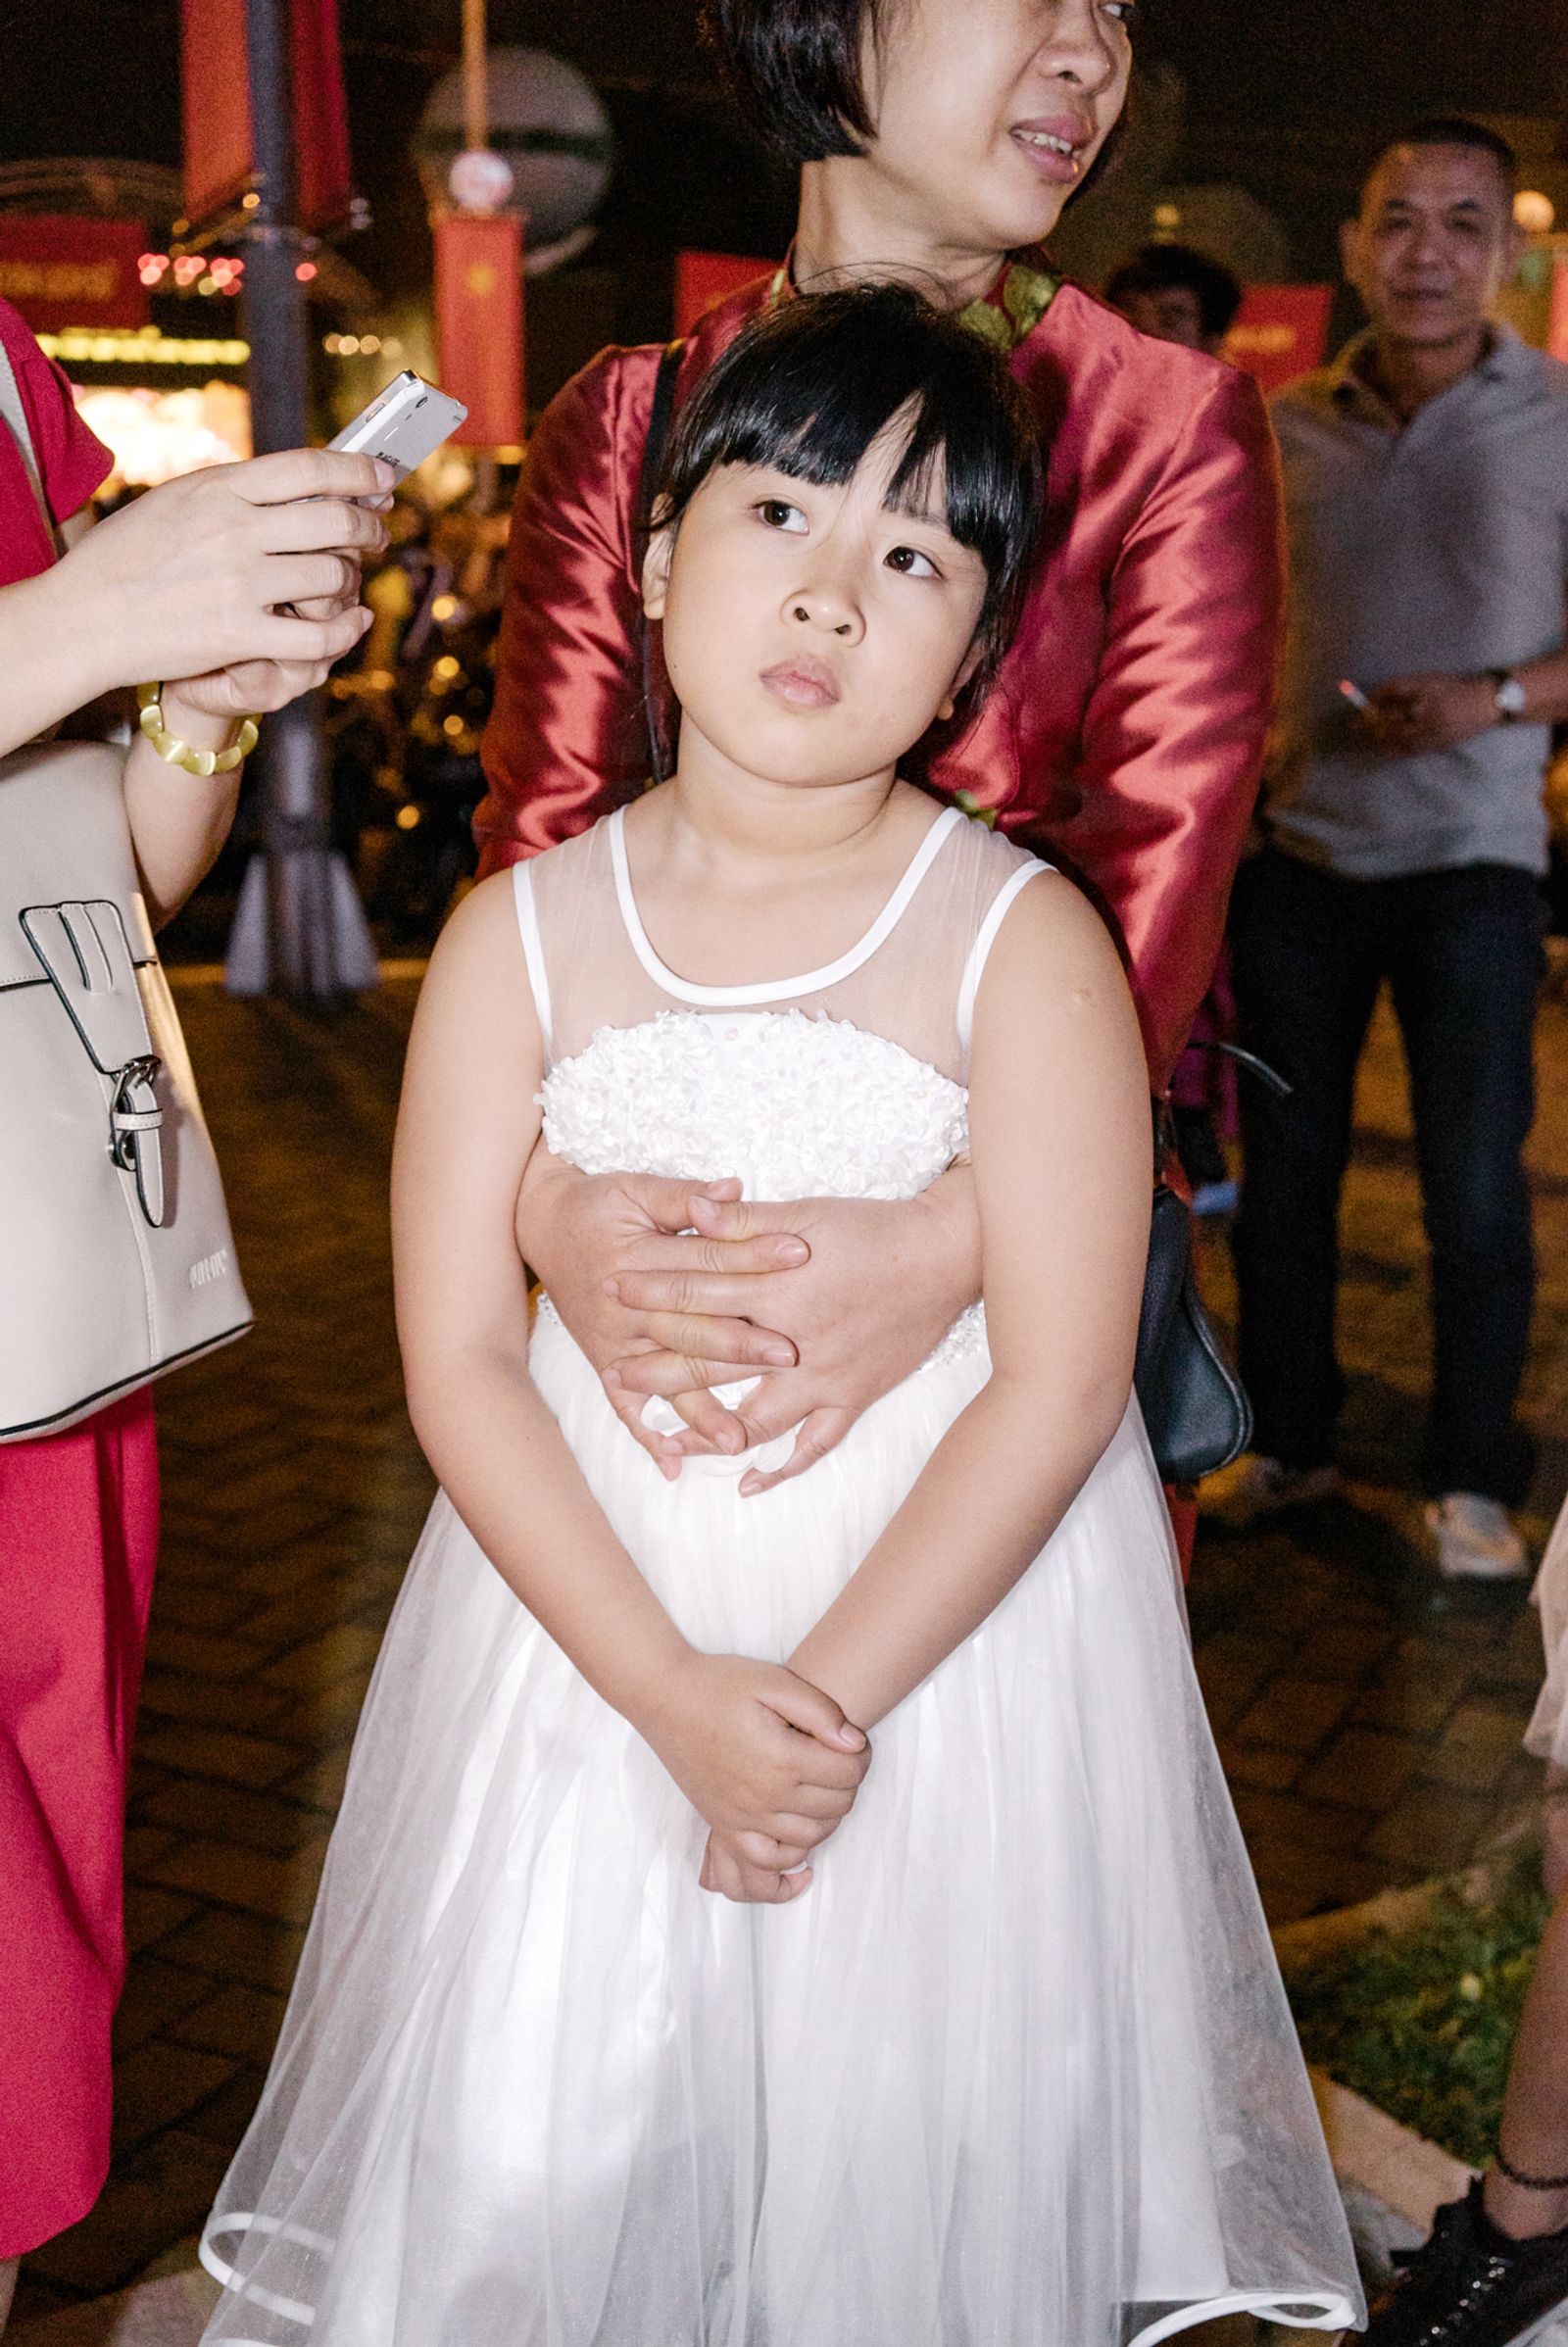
{"points": [[1015, 2071]]}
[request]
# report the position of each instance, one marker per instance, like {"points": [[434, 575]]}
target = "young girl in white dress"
{"points": [[812, 1918]]}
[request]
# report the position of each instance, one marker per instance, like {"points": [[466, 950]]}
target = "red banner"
{"points": [[321, 170], [478, 315], [72, 272], [1280, 332], [703, 279], [216, 99]]}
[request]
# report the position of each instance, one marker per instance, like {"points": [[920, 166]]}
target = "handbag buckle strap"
{"points": [[128, 1116], [136, 1121]]}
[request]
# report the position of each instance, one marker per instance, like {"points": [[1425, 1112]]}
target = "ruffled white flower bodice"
{"points": [[793, 1105], [790, 1105]]}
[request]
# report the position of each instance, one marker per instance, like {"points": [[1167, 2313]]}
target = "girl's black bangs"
{"points": [[816, 424]]}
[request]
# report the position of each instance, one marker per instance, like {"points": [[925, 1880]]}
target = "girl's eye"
{"points": [[777, 514], [1125, 12], [910, 562]]}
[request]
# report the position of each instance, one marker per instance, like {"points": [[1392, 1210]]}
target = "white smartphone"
{"points": [[403, 424]]}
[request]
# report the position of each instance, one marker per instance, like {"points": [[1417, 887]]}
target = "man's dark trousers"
{"points": [[1461, 950]]}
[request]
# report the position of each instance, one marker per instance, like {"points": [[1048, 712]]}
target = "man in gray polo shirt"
{"points": [[1404, 833]]}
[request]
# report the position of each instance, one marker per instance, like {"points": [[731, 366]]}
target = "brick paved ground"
{"points": [[1371, 1731]]}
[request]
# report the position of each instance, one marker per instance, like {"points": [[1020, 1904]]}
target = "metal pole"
{"points": [[299, 927], [476, 96]]}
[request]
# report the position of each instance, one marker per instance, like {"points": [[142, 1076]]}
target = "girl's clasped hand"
{"points": [[768, 1762]]}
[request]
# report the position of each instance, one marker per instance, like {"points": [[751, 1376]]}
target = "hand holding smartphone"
{"points": [[403, 424]]}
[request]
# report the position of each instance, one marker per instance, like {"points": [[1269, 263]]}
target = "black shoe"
{"points": [[1471, 2285]]}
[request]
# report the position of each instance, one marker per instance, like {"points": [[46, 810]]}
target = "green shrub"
{"points": [[1422, 2022]]}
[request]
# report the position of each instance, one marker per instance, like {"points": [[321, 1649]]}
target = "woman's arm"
{"points": [[178, 822], [747, 1743], [1061, 1177], [1176, 726]]}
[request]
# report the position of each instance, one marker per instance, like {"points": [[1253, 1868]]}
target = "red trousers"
{"points": [[78, 1531]]}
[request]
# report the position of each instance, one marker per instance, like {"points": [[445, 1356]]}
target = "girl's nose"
{"points": [[827, 608]]}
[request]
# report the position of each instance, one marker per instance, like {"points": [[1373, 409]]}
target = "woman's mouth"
{"points": [[1054, 148], [804, 682]]}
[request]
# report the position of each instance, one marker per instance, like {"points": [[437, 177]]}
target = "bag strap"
{"points": [[15, 416], [1249, 1064], [654, 447]]}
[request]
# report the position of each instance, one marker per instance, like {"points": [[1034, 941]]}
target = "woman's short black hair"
{"points": [[808, 386], [794, 67]]}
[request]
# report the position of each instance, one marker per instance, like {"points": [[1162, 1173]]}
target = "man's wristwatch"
{"points": [[1510, 696]]}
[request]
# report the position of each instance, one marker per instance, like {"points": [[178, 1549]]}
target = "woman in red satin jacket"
{"points": [[1123, 738]]}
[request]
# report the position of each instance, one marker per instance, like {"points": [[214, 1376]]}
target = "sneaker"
{"points": [[1254, 1488], [1476, 1539], [1470, 2286]]}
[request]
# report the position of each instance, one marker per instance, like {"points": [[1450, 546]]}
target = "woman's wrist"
{"points": [[75, 647], [202, 728], [953, 1268]]}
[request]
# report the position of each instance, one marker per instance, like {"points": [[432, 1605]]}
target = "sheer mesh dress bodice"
{"points": [[847, 1081]]}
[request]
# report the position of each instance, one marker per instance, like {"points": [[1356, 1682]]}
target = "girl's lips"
{"points": [[803, 684]]}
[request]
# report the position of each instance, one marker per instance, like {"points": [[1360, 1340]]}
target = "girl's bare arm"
{"points": [[1059, 1110], [749, 1743]]}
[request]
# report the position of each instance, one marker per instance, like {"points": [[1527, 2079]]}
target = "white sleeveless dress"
{"points": [[1017, 2071]]}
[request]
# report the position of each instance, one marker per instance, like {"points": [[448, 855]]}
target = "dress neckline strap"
{"points": [[773, 990]]}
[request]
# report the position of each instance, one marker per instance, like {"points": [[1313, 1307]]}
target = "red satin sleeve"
{"points": [[566, 741], [1178, 719]]}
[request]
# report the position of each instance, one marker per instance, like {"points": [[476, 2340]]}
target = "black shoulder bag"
{"points": [[1194, 1408]]}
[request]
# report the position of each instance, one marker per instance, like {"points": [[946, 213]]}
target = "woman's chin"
{"points": [[1012, 227]]}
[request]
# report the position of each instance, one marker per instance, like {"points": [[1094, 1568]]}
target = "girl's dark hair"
{"points": [[807, 387]]}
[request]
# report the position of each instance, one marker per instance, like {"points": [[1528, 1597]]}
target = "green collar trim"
{"points": [[1003, 319], [1026, 295]]}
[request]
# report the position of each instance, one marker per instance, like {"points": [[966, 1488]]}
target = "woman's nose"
{"points": [[1076, 49]]}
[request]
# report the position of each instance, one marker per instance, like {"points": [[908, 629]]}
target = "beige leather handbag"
{"points": [[116, 1261]]}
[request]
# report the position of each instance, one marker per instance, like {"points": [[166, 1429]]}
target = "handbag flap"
{"points": [[64, 837], [84, 953]]}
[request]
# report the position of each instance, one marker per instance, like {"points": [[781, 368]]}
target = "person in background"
{"points": [[185, 586], [1403, 832], [1177, 294], [1180, 295], [1125, 734], [1498, 2260]]}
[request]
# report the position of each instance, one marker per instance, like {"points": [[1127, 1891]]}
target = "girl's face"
{"points": [[813, 635], [989, 112]]}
